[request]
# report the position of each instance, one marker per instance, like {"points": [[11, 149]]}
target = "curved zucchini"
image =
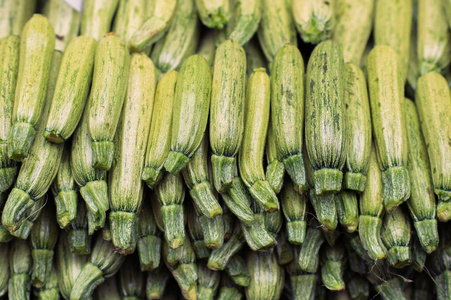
{"points": [[314, 19], [97, 16], [308, 259], [245, 20]]}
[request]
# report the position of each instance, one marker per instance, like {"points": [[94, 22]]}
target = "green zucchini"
{"points": [[149, 238], [109, 85], [108, 290], [132, 282], [71, 91], [13, 16], [20, 262], [314, 19], [236, 268], [253, 143], [190, 113], [433, 100], [50, 291], [23, 232], [97, 16], [358, 129], [208, 281], [244, 21], [302, 284], [37, 43], [294, 206], [9, 63], [197, 235], [348, 210], [156, 283], [325, 134], [447, 6], [267, 276], [219, 258], [126, 188], [333, 265], [4, 266], [275, 170], [256, 234], [227, 111], [308, 259], [386, 90], [207, 46], [131, 14], [255, 57], [79, 235], [214, 13], [287, 112], [229, 289]]}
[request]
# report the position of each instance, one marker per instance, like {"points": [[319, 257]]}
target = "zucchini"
{"points": [[126, 188], [347, 210], [20, 261], [333, 265], [353, 25], [131, 14], [4, 266], [244, 21], [50, 290], [314, 19], [386, 90], [308, 259], [38, 171], [97, 16], [79, 235], [267, 276], [108, 290], [238, 199], [23, 232], [71, 91], [214, 13], [197, 235], [207, 46], [156, 283], [358, 129], [237, 270], [447, 6], [325, 135], [284, 248], [287, 112], [256, 234], [254, 56], [253, 143], [190, 114], [227, 111], [37, 43], [9, 63], [132, 284], [149, 238], [275, 170], [109, 85], [13, 16], [433, 100], [208, 281], [302, 284], [294, 206]]}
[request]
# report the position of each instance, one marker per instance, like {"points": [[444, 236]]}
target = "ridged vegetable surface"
{"points": [[395, 234], [214, 13], [266, 276], [314, 19]]}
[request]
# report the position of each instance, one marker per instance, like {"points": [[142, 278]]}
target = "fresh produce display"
{"points": [[225, 149]]}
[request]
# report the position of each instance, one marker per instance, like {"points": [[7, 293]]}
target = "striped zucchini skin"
{"points": [[20, 261], [131, 14], [155, 26], [421, 203], [386, 90], [181, 39], [433, 37], [294, 206], [109, 85], [325, 134], [254, 56], [253, 143], [190, 113], [309, 254], [276, 27], [267, 276], [149, 238], [433, 101], [354, 22], [214, 13], [227, 111], [358, 128], [126, 188], [314, 19], [244, 21], [97, 16], [71, 91], [237, 269], [36, 48], [65, 21], [23, 232], [156, 283], [38, 171], [13, 16], [392, 26], [348, 210], [275, 170], [9, 64], [333, 267], [4, 266], [159, 141], [303, 284], [287, 111], [256, 234]]}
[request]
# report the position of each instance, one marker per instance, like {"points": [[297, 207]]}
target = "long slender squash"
{"points": [[253, 143], [214, 13], [71, 91], [244, 21], [325, 135], [287, 112], [9, 63], [97, 16], [109, 85], [126, 188], [314, 19], [227, 111], [38, 171], [13, 16], [190, 113], [275, 170], [36, 48], [358, 128], [433, 100], [386, 89]]}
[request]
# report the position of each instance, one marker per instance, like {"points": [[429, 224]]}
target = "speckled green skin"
{"points": [[245, 20], [14, 15], [333, 266], [97, 16], [275, 170], [19, 284], [267, 276], [214, 13]]}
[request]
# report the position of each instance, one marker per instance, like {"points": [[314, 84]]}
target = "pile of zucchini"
{"points": [[225, 149]]}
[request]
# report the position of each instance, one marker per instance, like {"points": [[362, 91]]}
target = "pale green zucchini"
{"points": [[214, 13], [371, 207], [353, 25], [131, 14], [14, 14], [71, 91], [159, 141], [287, 112], [392, 26], [190, 113], [79, 235], [433, 100], [421, 203], [97, 16], [348, 210], [65, 21], [227, 106], [275, 170], [220, 257], [207, 46], [181, 39], [433, 37], [256, 234], [276, 27], [126, 187], [413, 70], [267, 276], [386, 90], [244, 21], [9, 63], [333, 261], [37, 43], [109, 86], [20, 261], [197, 235], [38, 171], [325, 133], [358, 128], [213, 229], [294, 207], [253, 143], [155, 26], [314, 19]]}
